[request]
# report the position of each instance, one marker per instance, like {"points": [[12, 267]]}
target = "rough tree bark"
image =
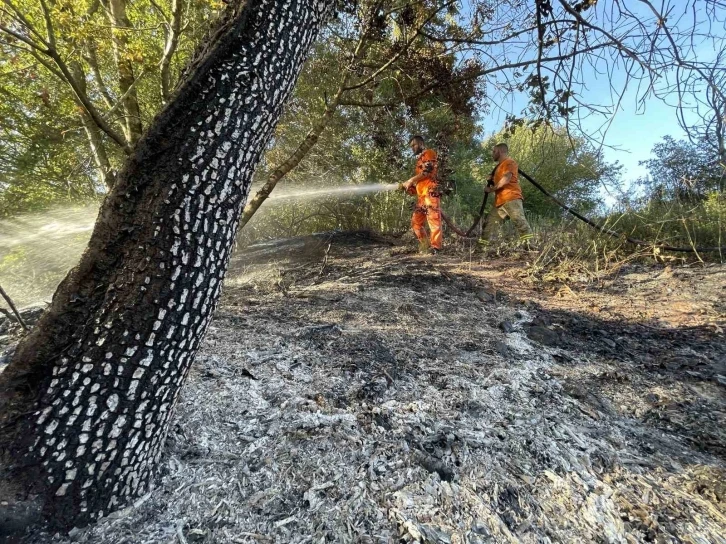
{"points": [[86, 401]]}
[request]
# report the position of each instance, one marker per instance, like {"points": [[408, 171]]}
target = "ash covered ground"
{"points": [[350, 391]]}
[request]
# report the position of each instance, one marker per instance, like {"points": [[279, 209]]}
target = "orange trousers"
{"points": [[428, 211]]}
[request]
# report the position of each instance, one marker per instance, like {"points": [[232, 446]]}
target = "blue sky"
{"points": [[630, 137], [636, 126]]}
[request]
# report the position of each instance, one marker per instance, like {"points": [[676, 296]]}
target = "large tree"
{"points": [[86, 400]]}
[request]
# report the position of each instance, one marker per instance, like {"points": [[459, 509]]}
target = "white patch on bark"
{"points": [[132, 389], [52, 426], [118, 426], [62, 489], [112, 402], [44, 415]]}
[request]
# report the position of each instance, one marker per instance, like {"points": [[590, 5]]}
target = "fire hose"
{"points": [[600, 228]]}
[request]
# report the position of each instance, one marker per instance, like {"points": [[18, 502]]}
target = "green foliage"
{"points": [[701, 224], [45, 154], [672, 210], [365, 145], [39, 159], [682, 201], [682, 171], [13, 260]]}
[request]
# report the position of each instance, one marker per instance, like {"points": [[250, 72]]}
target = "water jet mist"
{"points": [[347, 190]]}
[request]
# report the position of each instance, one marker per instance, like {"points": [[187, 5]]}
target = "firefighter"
{"points": [[504, 183], [424, 186]]}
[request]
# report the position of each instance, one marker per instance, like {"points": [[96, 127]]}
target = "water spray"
{"points": [[38, 249], [349, 190]]}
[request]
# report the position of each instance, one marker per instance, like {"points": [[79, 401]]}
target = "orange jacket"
{"points": [[427, 164], [512, 190]]}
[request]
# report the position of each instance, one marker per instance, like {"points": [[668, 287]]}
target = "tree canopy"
{"points": [[82, 79]]}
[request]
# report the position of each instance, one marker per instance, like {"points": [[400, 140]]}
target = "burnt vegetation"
{"points": [[364, 394]]}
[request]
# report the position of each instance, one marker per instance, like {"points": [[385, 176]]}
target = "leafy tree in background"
{"points": [[682, 171], [354, 142], [374, 58], [79, 82], [681, 201], [104, 68], [569, 167]]}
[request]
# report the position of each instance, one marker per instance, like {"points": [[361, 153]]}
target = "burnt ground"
{"points": [[350, 391]]}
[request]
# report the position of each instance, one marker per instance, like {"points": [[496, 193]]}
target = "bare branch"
{"points": [[23, 39], [400, 52], [48, 25], [475, 75], [92, 59], [87, 104], [25, 22], [173, 31]]}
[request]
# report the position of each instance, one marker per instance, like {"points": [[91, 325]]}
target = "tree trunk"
{"points": [[130, 101], [85, 403], [292, 161], [95, 141]]}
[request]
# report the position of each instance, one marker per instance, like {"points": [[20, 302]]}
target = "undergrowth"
{"points": [[565, 249]]}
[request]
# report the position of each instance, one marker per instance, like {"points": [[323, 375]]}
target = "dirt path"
{"points": [[356, 393]]}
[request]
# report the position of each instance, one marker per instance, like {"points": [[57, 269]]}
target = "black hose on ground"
{"points": [[613, 233], [474, 225], [581, 217], [478, 217], [456, 229]]}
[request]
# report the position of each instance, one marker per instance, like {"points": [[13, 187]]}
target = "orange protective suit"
{"points": [[428, 205], [512, 190]]}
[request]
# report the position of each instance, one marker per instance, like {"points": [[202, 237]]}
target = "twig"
{"points": [[13, 308], [690, 240], [256, 536], [180, 533], [325, 260]]}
